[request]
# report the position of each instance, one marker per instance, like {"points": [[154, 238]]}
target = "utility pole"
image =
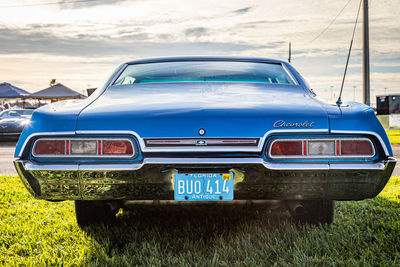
{"points": [[366, 80], [290, 52]]}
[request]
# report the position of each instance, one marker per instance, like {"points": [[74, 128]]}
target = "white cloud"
{"points": [[81, 43]]}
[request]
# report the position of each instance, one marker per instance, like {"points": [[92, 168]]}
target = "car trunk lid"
{"points": [[168, 110]]}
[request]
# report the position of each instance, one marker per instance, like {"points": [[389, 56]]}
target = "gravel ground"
{"points": [[7, 156]]}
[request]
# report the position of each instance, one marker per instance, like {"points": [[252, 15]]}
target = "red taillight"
{"points": [[337, 148], [67, 147], [356, 147], [87, 147], [50, 147], [322, 148], [99, 146], [287, 148], [117, 147]]}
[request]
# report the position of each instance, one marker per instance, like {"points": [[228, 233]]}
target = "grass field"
{"points": [[34, 232], [394, 136]]}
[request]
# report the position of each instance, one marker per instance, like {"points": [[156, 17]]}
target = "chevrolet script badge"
{"points": [[284, 124]]}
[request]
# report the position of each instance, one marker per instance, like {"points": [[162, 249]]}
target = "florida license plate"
{"points": [[203, 186]]}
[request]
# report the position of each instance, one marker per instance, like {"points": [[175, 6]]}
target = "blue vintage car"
{"points": [[213, 129]]}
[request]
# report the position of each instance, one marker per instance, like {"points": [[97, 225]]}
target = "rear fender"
{"points": [[359, 118]]}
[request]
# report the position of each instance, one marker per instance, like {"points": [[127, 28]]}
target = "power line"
{"points": [[339, 101], [330, 24], [50, 3]]}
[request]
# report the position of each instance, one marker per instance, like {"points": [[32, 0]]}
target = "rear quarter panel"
{"points": [[357, 117], [60, 116]]}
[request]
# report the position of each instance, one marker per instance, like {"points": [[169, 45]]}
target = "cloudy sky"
{"points": [[80, 42]]}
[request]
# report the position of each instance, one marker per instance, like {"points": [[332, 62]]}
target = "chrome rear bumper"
{"points": [[254, 179]]}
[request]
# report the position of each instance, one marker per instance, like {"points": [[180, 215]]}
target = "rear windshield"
{"points": [[204, 71]]}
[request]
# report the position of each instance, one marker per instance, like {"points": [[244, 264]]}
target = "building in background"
{"points": [[388, 111], [388, 104]]}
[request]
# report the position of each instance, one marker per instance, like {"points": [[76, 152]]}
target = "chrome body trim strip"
{"points": [[29, 165], [116, 76], [193, 142], [207, 148], [290, 75], [212, 161], [367, 133]]}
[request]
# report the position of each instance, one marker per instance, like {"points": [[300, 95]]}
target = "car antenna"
{"points": [[290, 51], [339, 101]]}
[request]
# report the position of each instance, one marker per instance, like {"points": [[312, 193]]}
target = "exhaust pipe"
{"points": [[296, 208]]}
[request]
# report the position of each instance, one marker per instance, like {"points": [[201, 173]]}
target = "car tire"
{"points": [[315, 212], [94, 212]]}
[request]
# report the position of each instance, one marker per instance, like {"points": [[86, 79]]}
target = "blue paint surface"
{"points": [[223, 109]]}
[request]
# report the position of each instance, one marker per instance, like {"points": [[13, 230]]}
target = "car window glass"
{"points": [[204, 71], [25, 112]]}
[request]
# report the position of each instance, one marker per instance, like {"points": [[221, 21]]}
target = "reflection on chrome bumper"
{"points": [[254, 179]]}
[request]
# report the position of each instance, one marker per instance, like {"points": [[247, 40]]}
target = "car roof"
{"points": [[204, 58]]}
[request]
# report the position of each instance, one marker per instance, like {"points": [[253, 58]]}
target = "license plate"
{"points": [[203, 186]]}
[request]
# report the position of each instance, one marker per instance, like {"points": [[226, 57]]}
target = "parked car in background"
{"points": [[16, 113], [12, 122], [204, 130]]}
